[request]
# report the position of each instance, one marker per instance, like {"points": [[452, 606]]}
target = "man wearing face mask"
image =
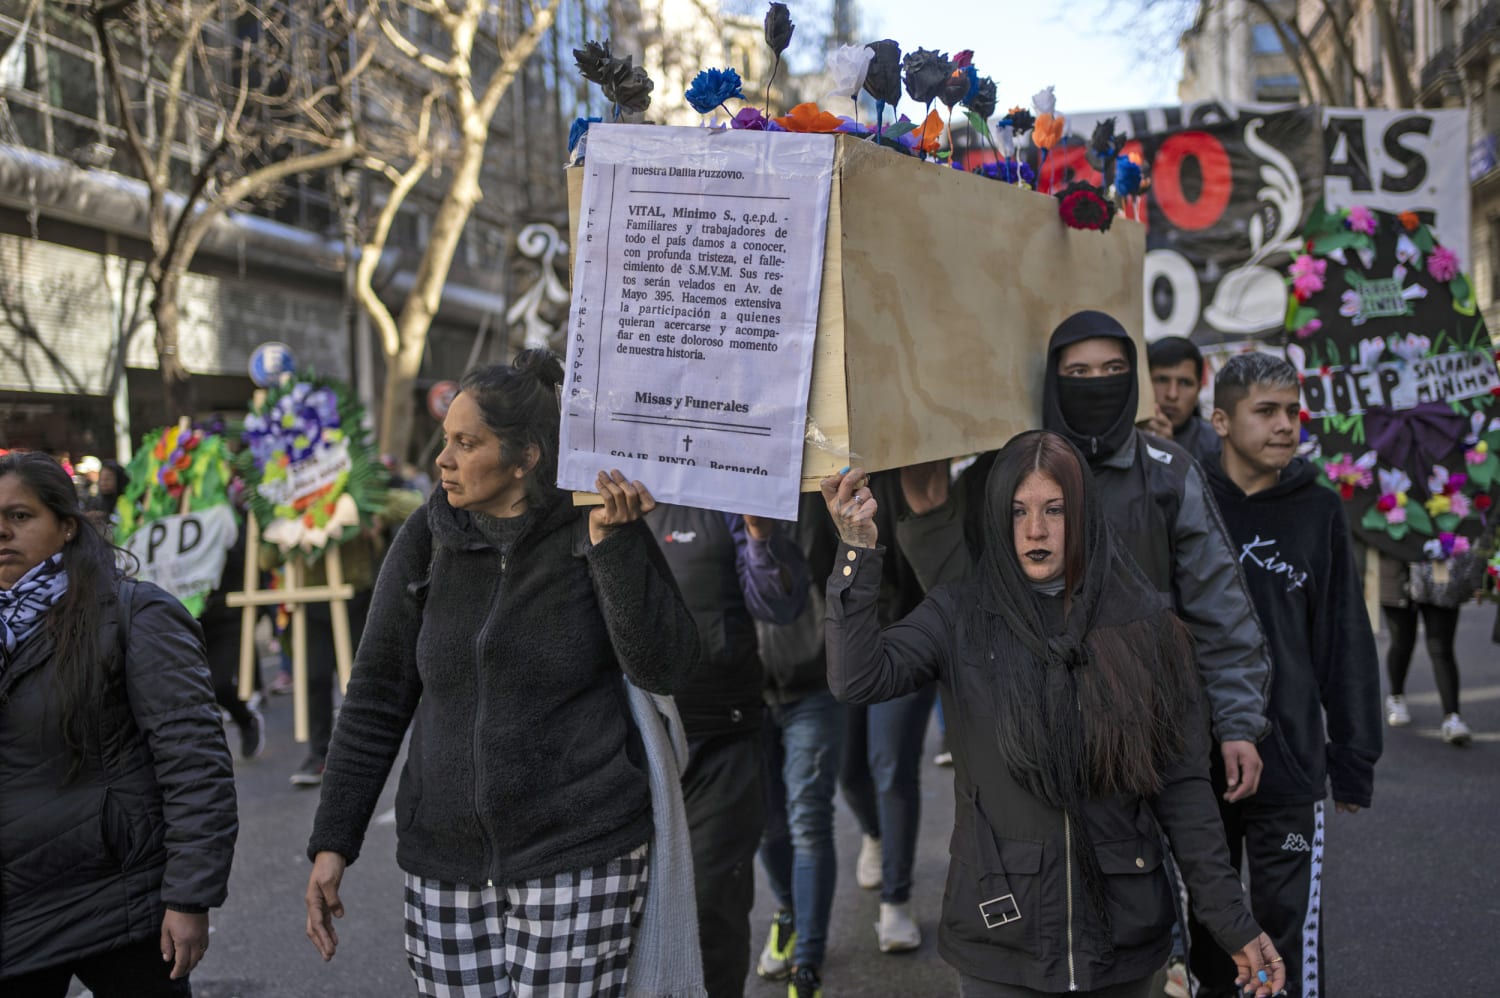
{"points": [[1157, 502]]}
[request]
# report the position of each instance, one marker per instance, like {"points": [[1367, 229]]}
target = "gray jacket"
{"points": [[1158, 504]]}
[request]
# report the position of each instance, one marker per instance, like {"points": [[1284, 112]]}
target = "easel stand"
{"points": [[297, 596]]}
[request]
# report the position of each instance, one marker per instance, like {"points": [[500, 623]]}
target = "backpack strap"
{"points": [[124, 612]]}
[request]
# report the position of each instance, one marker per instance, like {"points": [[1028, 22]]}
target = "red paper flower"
{"points": [[1305, 416], [1482, 502], [1346, 490], [1084, 206], [1409, 220]]}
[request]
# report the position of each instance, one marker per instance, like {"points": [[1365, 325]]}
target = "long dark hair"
{"points": [[73, 622], [518, 402], [1098, 706]]}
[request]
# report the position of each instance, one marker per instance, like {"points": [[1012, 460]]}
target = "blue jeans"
{"points": [[881, 778], [803, 743]]}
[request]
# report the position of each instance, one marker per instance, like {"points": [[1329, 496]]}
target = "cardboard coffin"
{"points": [[940, 290]]}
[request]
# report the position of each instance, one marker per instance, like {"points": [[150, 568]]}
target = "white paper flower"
{"points": [[1045, 101], [1297, 356], [1393, 482], [1006, 137], [1370, 350], [847, 67]]}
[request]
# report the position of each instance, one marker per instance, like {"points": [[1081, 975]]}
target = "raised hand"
{"points": [[852, 507], [925, 486], [624, 502]]}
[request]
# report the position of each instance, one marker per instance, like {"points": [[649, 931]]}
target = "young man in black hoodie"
{"points": [[1294, 546], [1157, 502]]}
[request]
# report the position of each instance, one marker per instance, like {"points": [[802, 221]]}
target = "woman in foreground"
{"points": [[1078, 736]]}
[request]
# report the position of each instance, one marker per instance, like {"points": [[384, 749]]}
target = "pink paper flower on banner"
{"points": [[1350, 475], [1361, 219], [1309, 266], [1312, 326], [1395, 515], [1306, 286], [1459, 506], [1442, 264], [1478, 454]]}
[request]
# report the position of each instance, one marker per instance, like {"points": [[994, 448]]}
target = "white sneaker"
{"points": [[867, 867], [1177, 983], [897, 930], [1396, 714], [1455, 731]]}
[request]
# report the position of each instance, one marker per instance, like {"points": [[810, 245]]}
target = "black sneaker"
{"points": [[253, 734], [310, 773], [805, 983]]}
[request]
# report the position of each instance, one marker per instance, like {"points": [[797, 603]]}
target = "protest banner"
{"points": [[1226, 180], [174, 515], [938, 293], [1399, 382]]}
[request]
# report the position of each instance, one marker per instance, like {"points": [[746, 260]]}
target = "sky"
{"points": [[1096, 52]]}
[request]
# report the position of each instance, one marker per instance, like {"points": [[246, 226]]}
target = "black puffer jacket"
{"points": [[148, 823], [507, 670]]}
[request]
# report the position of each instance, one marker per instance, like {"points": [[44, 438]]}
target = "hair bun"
{"points": [[540, 363]]}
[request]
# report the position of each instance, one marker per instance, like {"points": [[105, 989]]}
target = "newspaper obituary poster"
{"points": [[695, 307]]}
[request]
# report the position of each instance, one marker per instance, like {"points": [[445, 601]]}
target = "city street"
{"points": [[1410, 902]]}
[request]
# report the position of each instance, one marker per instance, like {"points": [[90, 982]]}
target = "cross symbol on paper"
{"points": [[687, 443]]}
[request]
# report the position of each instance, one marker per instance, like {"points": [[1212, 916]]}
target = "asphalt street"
{"points": [[1411, 903]]}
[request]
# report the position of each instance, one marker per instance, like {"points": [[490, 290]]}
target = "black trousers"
{"points": [[322, 666], [1282, 844], [1441, 624], [221, 638], [133, 971], [722, 792]]}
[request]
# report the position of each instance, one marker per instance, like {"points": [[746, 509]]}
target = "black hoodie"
{"points": [[1293, 544], [1076, 328]]}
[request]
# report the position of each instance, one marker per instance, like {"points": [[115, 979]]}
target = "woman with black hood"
{"points": [[1076, 726]]}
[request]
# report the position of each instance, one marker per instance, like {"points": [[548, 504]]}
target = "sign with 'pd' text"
{"points": [[185, 553], [695, 302]]}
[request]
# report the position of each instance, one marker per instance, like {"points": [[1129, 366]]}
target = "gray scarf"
{"points": [[24, 604]]}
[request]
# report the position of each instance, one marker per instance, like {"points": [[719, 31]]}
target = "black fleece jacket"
{"points": [[1294, 546], [522, 760]]}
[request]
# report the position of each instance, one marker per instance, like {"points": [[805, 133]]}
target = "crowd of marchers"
{"points": [[1148, 643]]}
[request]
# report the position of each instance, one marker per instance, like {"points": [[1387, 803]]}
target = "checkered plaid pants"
{"points": [[567, 934]]}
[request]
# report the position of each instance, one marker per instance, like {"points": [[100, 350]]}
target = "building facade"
{"points": [[1233, 53]]}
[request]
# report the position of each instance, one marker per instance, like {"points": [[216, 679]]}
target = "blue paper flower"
{"points": [[1127, 177], [579, 130], [712, 87]]}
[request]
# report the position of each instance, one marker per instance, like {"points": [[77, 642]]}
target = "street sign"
{"points": [[439, 397], [270, 363]]}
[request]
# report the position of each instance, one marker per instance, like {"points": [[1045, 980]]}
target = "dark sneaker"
{"points": [[775, 962], [805, 983], [253, 734], [310, 773]]}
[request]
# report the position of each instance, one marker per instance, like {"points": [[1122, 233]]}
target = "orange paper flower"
{"points": [[809, 118], [1409, 220], [1048, 130], [929, 134]]}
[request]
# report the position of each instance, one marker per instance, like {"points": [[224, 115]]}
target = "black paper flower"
{"points": [[982, 102], [960, 84], [627, 85], [1021, 120], [1082, 205], [1104, 143], [883, 81], [779, 28], [926, 72], [593, 60]]}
